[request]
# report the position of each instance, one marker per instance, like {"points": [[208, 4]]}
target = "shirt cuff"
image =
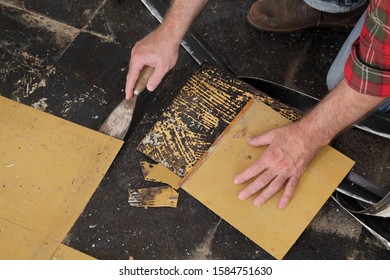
{"points": [[364, 78]]}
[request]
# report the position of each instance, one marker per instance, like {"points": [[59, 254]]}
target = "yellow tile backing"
{"points": [[18, 242], [49, 169], [157, 172], [272, 229]]}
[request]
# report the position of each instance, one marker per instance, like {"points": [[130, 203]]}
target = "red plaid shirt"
{"points": [[367, 69]]}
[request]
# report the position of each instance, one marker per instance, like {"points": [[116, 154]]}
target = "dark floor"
{"points": [[69, 58]]}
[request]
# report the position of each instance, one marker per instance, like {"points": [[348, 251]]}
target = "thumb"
{"points": [[260, 140], [131, 78]]}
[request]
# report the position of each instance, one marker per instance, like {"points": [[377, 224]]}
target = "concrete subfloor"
{"points": [[69, 58]]}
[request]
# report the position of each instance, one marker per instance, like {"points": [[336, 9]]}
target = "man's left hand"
{"points": [[285, 160]]}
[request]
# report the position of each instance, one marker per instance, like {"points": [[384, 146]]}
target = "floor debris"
{"points": [[163, 196]]}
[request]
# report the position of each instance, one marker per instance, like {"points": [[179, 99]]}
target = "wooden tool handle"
{"points": [[143, 79]]}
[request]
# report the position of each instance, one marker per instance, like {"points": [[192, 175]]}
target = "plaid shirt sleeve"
{"points": [[367, 69]]}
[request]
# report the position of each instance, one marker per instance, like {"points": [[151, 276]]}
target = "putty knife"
{"points": [[118, 122]]}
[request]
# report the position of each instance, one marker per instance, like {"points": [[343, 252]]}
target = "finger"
{"points": [[260, 140], [255, 169], [131, 78], [155, 79], [261, 181], [276, 184], [288, 192]]}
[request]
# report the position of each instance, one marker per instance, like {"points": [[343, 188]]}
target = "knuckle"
{"points": [[292, 183], [260, 182], [252, 188], [134, 51]]}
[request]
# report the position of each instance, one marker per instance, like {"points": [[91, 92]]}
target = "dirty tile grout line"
{"points": [[74, 30], [109, 39]]}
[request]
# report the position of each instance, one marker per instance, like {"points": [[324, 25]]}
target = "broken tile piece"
{"points": [[162, 196], [159, 173], [203, 109]]}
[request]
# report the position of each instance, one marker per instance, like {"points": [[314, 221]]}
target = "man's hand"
{"points": [[160, 48], [157, 50], [282, 164], [292, 147]]}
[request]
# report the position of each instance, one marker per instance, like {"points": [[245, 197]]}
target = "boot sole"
{"points": [[334, 25]]}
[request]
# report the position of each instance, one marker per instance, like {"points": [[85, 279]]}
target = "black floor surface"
{"points": [[69, 58]]}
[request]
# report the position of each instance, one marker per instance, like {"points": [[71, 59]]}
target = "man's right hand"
{"points": [[158, 50]]}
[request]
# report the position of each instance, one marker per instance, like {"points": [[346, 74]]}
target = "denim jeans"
{"points": [[335, 6], [336, 71]]}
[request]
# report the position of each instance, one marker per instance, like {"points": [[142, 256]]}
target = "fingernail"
{"points": [[282, 205], [241, 196]]}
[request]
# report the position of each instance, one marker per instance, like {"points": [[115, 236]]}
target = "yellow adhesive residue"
{"points": [[204, 108]]}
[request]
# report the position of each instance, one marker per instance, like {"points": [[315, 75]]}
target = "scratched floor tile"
{"points": [[29, 48], [120, 19], [89, 81], [70, 12]]}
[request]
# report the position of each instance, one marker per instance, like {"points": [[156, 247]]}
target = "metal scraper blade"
{"points": [[118, 122]]}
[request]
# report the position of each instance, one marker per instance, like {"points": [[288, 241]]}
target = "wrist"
{"points": [[179, 18], [170, 32], [313, 134]]}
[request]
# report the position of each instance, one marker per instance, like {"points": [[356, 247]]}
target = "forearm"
{"points": [[341, 108], [180, 16]]}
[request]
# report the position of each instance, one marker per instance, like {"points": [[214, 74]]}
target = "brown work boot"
{"points": [[296, 15]]}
